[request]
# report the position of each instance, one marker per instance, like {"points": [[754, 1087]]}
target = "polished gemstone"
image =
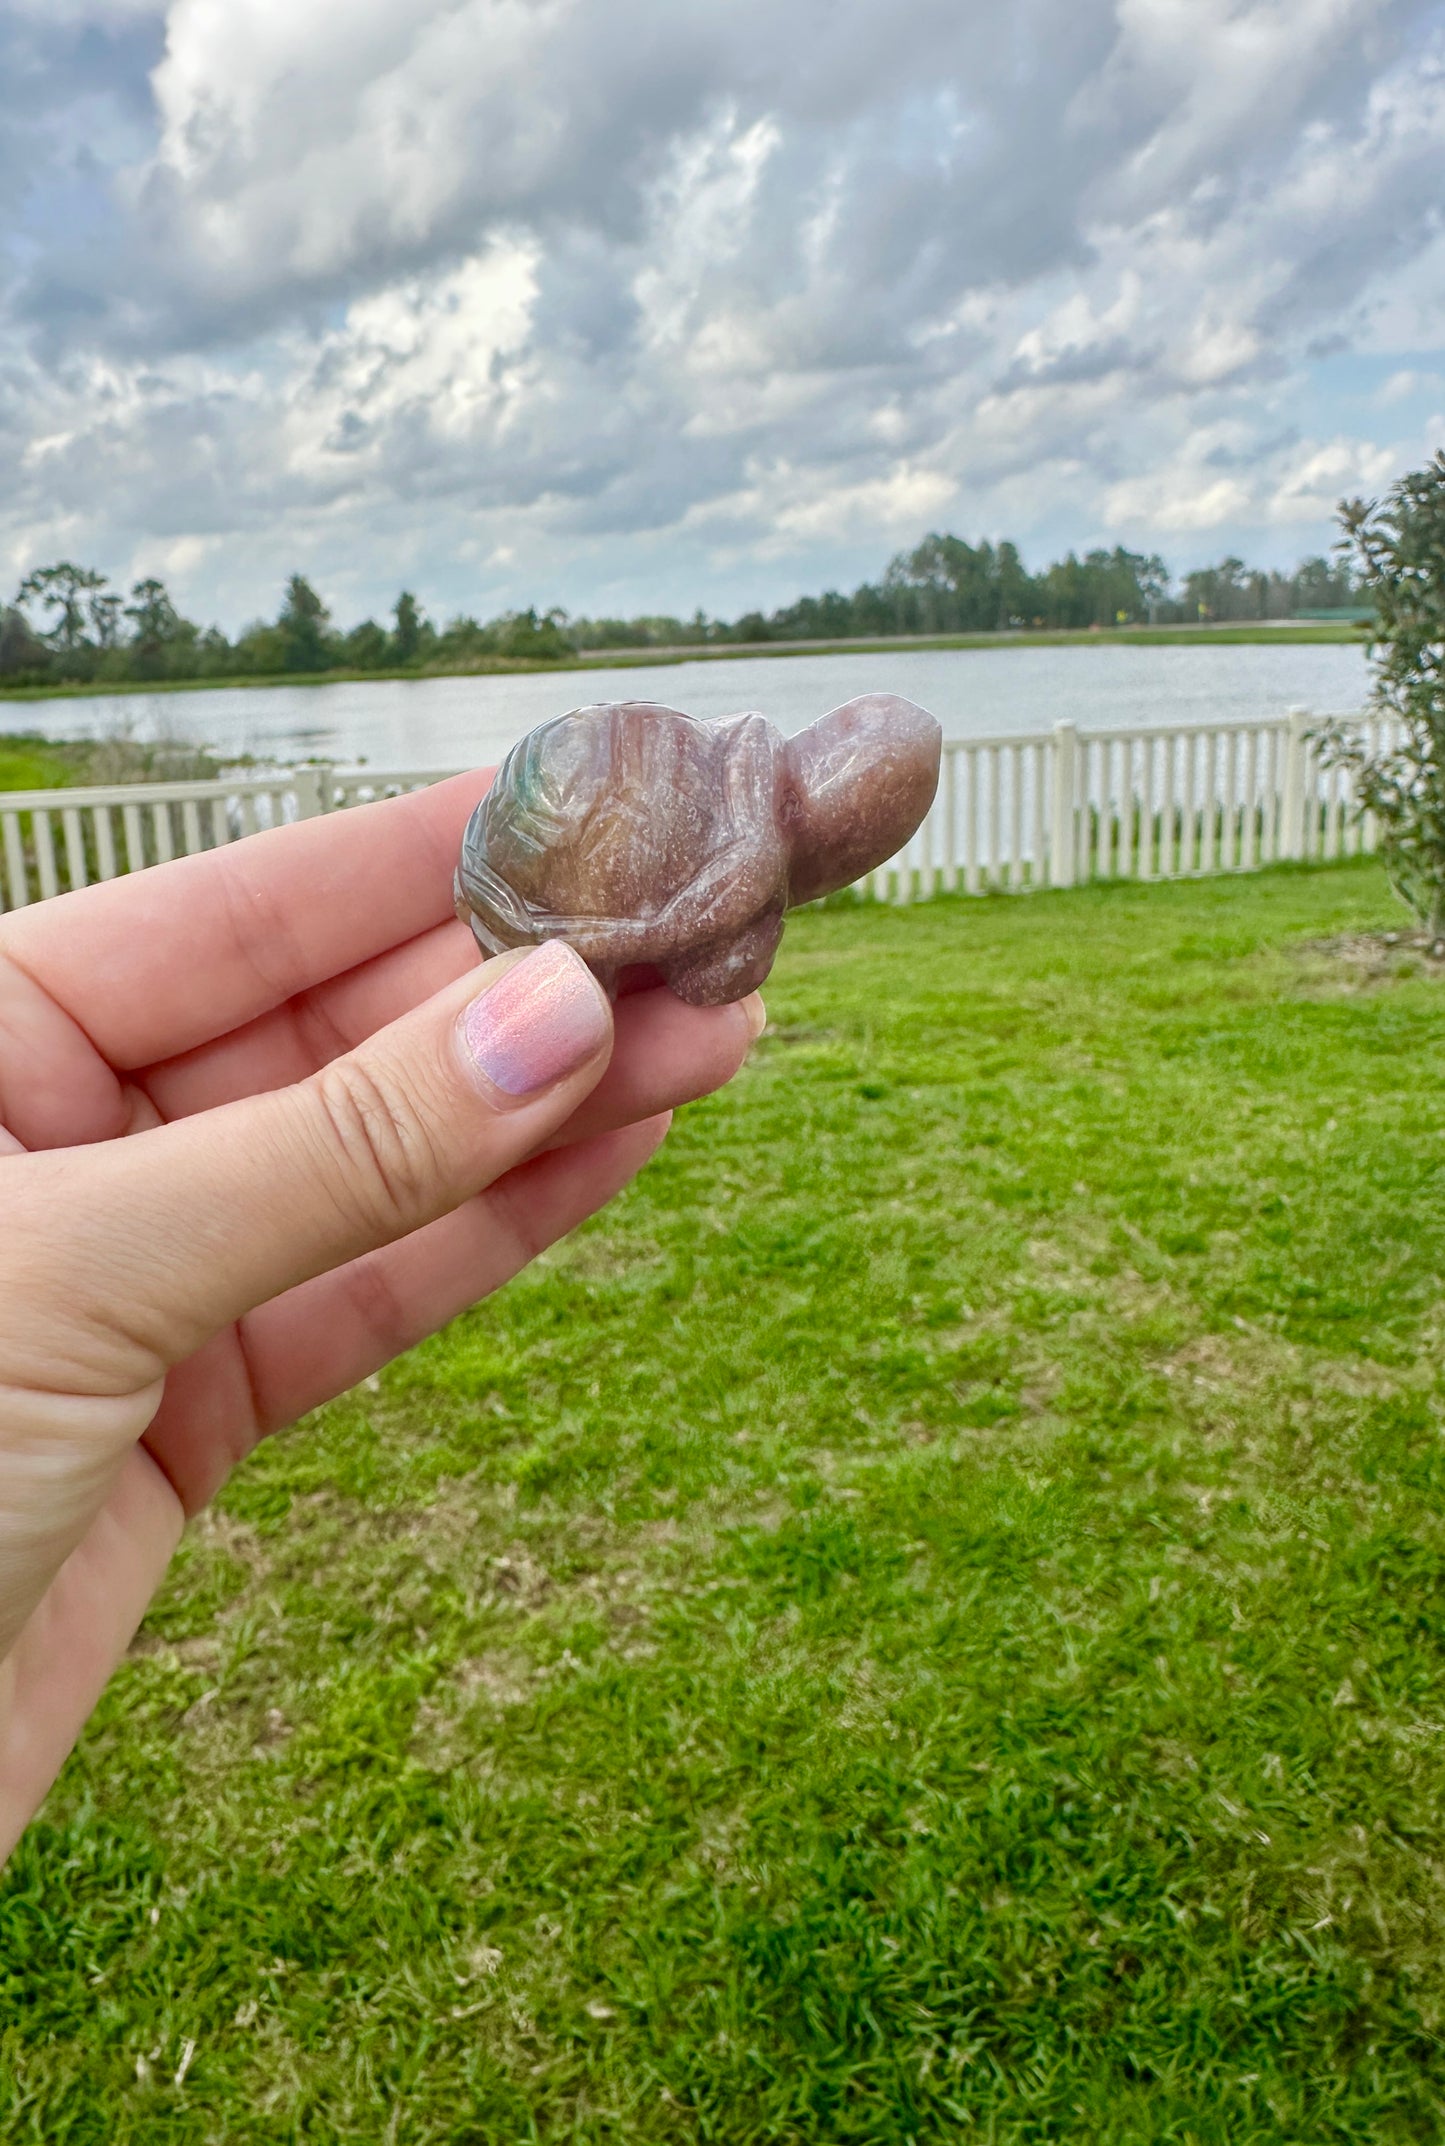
{"points": [[647, 839]]}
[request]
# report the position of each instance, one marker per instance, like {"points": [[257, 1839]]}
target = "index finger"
{"points": [[153, 965]]}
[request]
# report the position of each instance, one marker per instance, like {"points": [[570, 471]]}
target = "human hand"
{"points": [[263, 1125]]}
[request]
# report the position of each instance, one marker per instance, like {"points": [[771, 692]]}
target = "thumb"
{"points": [[168, 1236]]}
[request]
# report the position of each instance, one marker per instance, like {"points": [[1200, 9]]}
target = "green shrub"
{"points": [[1398, 546]]}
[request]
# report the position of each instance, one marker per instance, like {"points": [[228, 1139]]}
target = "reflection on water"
{"points": [[457, 722]]}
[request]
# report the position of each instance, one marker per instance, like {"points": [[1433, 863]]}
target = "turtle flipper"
{"points": [[716, 975]]}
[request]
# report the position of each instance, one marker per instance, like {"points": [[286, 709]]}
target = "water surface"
{"points": [[458, 722]]}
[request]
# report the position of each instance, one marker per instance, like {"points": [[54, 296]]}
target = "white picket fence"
{"points": [[54, 840], [1166, 802], [1013, 813]]}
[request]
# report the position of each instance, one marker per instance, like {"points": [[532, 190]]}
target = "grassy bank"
{"points": [[29, 761], [630, 658], [922, 1623]]}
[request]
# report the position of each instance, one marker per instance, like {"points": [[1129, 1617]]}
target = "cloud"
{"points": [[1325, 472], [526, 298], [1408, 384]]}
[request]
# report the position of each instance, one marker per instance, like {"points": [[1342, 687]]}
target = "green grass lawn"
{"points": [[927, 1622]]}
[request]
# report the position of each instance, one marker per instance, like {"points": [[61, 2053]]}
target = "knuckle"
{"points": [[517, 1229], [387, 1168], [378, 1306]]}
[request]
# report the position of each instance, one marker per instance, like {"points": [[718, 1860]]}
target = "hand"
{"points": [[264, 1123]]}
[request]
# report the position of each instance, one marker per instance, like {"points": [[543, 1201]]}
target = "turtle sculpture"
{"points": [[647, 839]]}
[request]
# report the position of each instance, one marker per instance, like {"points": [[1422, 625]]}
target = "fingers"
{"points": [[153, 1244], [289, 1041], [665, 1053], [56, 1667], [153, 964], [321, 1338], [292, 1354]]}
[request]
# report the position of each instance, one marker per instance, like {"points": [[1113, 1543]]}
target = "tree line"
{"points": [[68, 624]]}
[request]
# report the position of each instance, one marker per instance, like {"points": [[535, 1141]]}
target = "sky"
{"points": [[631, 305]]}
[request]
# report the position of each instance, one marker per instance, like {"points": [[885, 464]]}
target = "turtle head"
{"points": [[853, 788]]}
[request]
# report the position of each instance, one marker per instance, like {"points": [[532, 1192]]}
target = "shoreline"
{"points": [[1243, 634]]}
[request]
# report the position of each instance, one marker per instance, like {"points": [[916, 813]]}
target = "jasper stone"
{"points": [[646, 838]]}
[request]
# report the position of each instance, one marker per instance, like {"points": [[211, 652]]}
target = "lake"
{"points": [[456, 722]]}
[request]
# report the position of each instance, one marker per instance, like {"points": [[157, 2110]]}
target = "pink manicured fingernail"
{"points": [[541, 1020]]}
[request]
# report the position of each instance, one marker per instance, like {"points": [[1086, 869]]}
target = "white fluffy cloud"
{"points": [[623, 303]]}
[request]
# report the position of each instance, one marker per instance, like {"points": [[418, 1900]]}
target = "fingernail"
{"points": [[541, 1020], [757, 1014]]}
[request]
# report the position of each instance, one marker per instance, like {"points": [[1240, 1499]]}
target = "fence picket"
{"points": [[1146, 832], [15, 868], [969, 759], [45, 854], [1037, 755], [1227, 851], [74, 847], [1248, 820], [1064, 838], [161, 828]]}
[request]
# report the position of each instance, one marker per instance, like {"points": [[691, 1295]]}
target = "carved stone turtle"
{"points": [[644, 837]]}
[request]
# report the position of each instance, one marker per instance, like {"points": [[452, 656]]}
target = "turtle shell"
{"points": [[647, 838], [633, 831]]}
